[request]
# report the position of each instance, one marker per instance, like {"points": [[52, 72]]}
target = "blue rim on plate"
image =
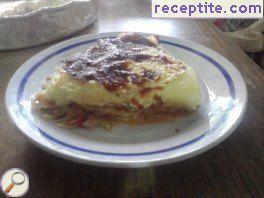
{"points": [[204, 56]]}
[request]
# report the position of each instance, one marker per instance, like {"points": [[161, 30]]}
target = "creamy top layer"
{"points": [[129, 69], [107, 62]]}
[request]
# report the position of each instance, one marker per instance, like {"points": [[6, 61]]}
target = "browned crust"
{"points": [[107, 61], [145, 91]]}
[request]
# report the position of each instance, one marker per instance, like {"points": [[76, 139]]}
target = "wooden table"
{"points": [[235, 168]]}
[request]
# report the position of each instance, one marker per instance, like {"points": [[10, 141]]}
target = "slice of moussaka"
{"points": [[128, 79]]}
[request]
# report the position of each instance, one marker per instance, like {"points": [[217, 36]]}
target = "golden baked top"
{"points": [[109, 61]]}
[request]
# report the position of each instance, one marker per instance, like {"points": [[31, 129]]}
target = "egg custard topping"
{"points": [[128, 79]]}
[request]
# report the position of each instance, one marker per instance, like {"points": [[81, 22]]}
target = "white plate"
{"points": [[224, 102]]}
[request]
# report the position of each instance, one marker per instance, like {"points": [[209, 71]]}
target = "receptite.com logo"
{"points": [[14, 182]]}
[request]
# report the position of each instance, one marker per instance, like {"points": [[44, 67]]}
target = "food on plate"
{"points": [[127, 79]]}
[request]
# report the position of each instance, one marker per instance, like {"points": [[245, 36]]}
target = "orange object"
{"points": [[9, 188]]}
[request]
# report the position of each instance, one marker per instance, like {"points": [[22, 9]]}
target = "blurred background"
{"points": [[27, 23]]}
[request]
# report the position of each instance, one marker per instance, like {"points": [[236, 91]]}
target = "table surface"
{"points": [[235, 168]]}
